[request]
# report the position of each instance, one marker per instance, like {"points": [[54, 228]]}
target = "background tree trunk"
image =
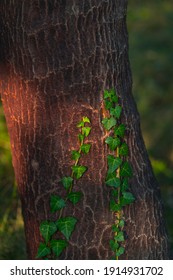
{"points": [[57, 57]]}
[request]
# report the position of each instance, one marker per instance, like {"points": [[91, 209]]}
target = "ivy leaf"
{"points": [[127, 198], [81, 124], [108, 104], [74, 197], [106, 94], [112, 142], [114, 206], [86, 120], [120, 130], [81, 137], [120, 251], [43, 250], [124, 150], [114, 245], [47, 229], [119, 237], [78, 170], [125, 185], [114, 192], [108, 123], [116, 112], [126, 170], [85, 148], [66, 226], [67, 182], [86, 130], [113, 163], [56, 203], [58, 246], [75, 155], [112, 180], [115, 228], [121, 223]]}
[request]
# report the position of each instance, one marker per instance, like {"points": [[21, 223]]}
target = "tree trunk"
{"points": [[57, 57]]}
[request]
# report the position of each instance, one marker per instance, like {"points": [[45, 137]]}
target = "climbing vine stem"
{"points": [[119, 169], [64, 226]]}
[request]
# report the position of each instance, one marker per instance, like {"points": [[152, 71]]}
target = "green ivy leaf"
{"points": [[119, 237], [108, 104], [85, 148], [56, 203], [81, 137], [106, 94], [121, 223], [86, 130], [74, 197], [126, 170], [114, 192], [112, 180], [120, 130], [112, 142], [113, 163], [127, 198], [43, 250], [114, 245], [66, 226], [115, 228], [120, 251], [78, 171], [86, 120], [58, 246], [108, 123], [67, 182], [125, 185], [116, 112], [114, 206], [124, 150], [81, 124], [75, 155], [47, 229]]}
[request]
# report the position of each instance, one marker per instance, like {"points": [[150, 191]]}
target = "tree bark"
{"points": [[57, 57]]}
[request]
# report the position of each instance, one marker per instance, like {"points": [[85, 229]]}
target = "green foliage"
{"points": [[119, 169], [65, 225]]}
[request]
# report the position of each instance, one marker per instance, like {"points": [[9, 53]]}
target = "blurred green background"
{"points": [[150, 25]]}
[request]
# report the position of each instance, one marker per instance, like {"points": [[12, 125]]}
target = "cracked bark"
{"points": [[56, 58]]}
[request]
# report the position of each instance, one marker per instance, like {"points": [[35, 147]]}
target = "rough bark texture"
{"points": [[57, 57]]}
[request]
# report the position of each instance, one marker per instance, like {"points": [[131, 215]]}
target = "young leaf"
{"points": [[85, 148], [75, 155], [47, 229], [120, 130], [106, 94], [113, 163], [86, 120], [67, 182], [126, 170], [80, 124], [66, 226], [78, 171], [114, 192], [113, 96], [120, 251], [114, 245], [43, 250], [115, 228], [112, 142], [112, 180], [114, 206], [81, 137], [56, 203], [108, 123], [127, 198], [116, 112], [86, 130], [121, 223], [124, 150], [58, 246], [108, 104], [119, 237], [74, 197]]}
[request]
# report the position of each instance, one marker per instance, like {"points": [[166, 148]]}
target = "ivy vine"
{"points": [[52, 248], [119, 169]]}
